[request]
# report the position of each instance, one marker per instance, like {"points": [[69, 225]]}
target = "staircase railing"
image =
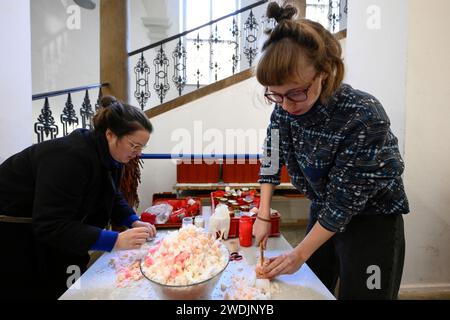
{"points": [[246, 34], [239, 41], [46, 128]]}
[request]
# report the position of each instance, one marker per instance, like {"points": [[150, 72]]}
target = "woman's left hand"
{"points": [[141, 224], [287, 263]]}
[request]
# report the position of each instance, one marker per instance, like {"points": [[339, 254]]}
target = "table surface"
{"points": [[99, 281]]}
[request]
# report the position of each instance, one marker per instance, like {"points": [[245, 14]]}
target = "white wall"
{"points": [[376, 55], [140, 36], [405, 64], [65, 52], [427, 153], [138, 32], [163, 10], [15, 77], [236, 107]]}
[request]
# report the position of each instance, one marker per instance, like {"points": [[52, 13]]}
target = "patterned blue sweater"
{"points": [[342, 156]]}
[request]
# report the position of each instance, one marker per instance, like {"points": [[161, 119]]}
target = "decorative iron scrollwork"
{"points": [[99, 99], [198, 74], [334, 14], [68, 116], [198, 42], [214, 39], [179, 71], [86, 112], [161, 64], [45, 125], [236, 55], [251, 28], [142, 71]]}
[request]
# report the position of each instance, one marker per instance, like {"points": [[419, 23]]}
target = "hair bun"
{"points": [[106, 101], [280, 13]]}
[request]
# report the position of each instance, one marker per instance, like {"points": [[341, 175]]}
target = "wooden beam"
{"points": [[299, 4], [341, 34], [113, 47]]}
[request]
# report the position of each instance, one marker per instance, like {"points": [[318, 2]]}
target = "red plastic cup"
{"points": [[245, 231]]}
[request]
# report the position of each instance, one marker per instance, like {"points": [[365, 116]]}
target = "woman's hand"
{"points": [[141, 224], [290, 262], [261, 229], [132, 238], [287, 263]]}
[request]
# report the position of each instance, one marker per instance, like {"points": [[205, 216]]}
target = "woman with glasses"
{"points": [[57, 198], [340, 152]]}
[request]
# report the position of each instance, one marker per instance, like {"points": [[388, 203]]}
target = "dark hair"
{"points": [[292, 41], [120, 118]]}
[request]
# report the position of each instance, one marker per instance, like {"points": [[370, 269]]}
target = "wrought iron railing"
{"points": [[46, 128], [241, 43], [246, 30]]}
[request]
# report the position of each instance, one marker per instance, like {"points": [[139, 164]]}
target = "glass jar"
{"points": [[199, 222], [187, 221], [245, 208]]}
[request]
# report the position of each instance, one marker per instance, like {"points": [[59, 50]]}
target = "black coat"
{"points": [[69, 188]]}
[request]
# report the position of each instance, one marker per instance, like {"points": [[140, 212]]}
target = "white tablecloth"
{"points": [[99, 281]]}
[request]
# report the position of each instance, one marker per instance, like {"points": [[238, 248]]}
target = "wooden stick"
{"points": [[261, 253]]}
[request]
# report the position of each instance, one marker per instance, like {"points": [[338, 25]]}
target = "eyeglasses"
{"points": [[135, 147], [294, 95]]}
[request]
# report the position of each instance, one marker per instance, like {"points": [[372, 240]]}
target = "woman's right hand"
{"points": [[261, 229], [132, 238]]}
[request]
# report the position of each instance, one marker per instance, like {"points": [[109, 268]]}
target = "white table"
{"points": [[98, 282]]}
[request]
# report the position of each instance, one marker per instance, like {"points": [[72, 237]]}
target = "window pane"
{"points": [[223, 54], [198, 59], [221, 8], [197, 13], [317, 10], [203, 34]]}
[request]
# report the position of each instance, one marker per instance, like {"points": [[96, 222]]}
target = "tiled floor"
{"points": [[294, 235]]}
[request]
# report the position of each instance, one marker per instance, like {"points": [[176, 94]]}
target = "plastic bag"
{"points": [[162, 212]]}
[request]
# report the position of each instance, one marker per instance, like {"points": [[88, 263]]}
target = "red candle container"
{"points": [[245, 231]]}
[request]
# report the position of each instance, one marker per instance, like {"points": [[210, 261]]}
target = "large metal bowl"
{"points": [[196, 291]]}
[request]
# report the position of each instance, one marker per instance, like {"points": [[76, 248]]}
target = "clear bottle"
{"points": [[199, 222], [187, 221]]}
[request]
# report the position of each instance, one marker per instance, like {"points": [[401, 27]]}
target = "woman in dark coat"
{"points": [[58, 197]]}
